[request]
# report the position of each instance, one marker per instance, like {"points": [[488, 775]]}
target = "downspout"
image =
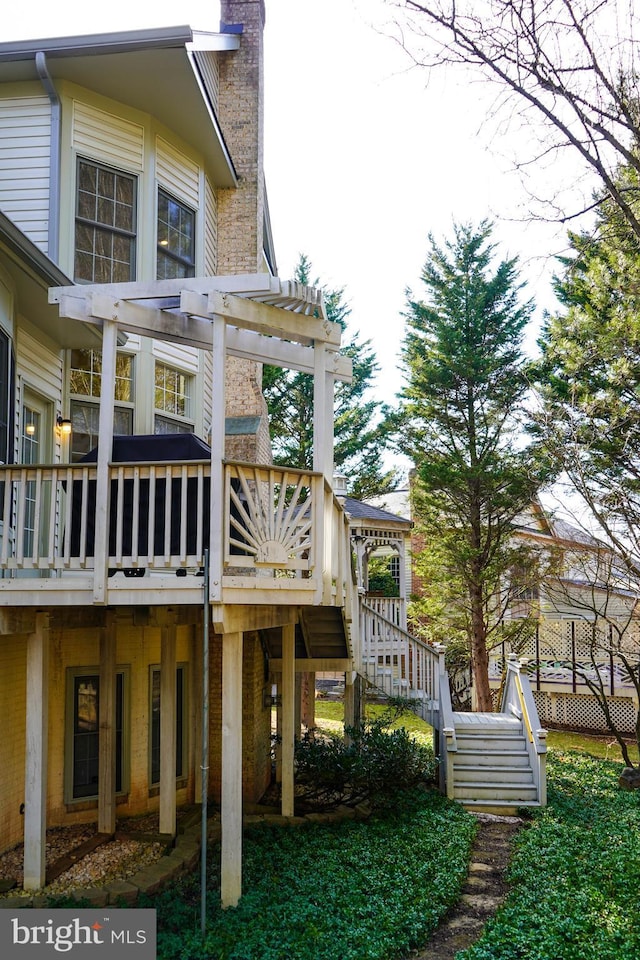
{"points": [[54, 157]]}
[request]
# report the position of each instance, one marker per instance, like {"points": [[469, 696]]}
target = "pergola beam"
{"points": [[257, 331]]}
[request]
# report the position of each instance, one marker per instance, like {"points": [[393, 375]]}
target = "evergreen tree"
{"points": [[589, 374], [589, 381], [361, 426], [463, 413]]}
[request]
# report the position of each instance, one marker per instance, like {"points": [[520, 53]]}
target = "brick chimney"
{"points": [[241, 114], [241, 212]]}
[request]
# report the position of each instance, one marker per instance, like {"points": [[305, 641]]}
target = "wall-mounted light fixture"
{"points": [[64, 426], [30, 429]]}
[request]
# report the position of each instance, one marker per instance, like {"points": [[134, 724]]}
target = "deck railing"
{"points": [[278, 522], [399, 664], [392, 608]]}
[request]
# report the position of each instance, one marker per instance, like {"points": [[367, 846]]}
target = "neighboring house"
{"points": [[131, 187], [581, 579], [585, 598]]}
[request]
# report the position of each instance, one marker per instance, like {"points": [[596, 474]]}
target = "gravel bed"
{"points": [[114, 860]]}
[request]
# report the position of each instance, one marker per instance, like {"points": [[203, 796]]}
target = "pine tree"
{"points": [[589, 374], [463, 412], [361, 427], [589, 382]]}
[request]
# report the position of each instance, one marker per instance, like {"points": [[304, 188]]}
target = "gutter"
{"points": [[92, 44], [54, 156]]}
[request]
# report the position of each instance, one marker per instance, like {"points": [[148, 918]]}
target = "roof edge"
{"points": [[27, 251], [113, 42]]}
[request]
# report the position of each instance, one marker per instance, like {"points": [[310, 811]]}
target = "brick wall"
{"points": [[241, 210], [241, 113], [13, 680]]}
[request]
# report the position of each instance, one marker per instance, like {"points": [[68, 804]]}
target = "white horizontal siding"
{"points": [[177, 355], [179, 175], [38, 366], [103, 136], [210, 230], [25, 138]]}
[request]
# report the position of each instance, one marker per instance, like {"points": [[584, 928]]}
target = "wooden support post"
{"points": [[297, 723], [107, 728], [278, 682], [35, 787], [103, 487], [288, 716], [323, 387], [218, 409], [168, 724], [231, 794], [309, 700]]}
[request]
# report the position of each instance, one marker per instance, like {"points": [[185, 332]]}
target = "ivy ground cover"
{"points": [[575, 873], [369, 890]]}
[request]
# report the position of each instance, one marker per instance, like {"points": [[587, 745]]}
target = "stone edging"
{"points": [[183, 858]]}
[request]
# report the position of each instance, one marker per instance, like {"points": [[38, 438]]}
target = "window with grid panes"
{"points": [[7, 390], [176, 238], [85, 380], [83, 733], [181, 725], [173, 400], [105, 238]]}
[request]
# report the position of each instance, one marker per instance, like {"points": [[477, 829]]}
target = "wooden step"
{"points": [[495, 774], [486, 723], [493, 790], [507, 758], [490, 744], [504, 808]]}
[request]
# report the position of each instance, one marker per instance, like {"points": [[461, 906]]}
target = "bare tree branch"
{"points": [[571, 62]]}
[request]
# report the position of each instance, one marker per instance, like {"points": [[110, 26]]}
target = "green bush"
{"points": [[575, 874], [354, 890], [374, 764]]}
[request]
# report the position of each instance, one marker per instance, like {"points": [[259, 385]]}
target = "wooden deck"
{"points": [[274, 535]]}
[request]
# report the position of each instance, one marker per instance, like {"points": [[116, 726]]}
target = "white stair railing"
{"points": [[517, 700], [399, 664], [446, 731]]}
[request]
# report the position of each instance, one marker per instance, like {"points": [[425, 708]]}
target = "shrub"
{"points": [[372, 765]]}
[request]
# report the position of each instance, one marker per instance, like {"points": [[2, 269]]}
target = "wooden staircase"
{"points": [[487, 761], [400, 665], [492, 766], [324, 633]]}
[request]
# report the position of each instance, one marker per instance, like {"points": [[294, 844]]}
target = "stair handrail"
{"points": [[431, 649], [402, 635], [517, 698], [447, 743]]}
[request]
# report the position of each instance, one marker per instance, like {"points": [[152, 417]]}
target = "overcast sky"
{"points": [[364, 157]]}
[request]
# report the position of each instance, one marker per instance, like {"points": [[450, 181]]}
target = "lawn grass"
{"points": [[330, 716], [330, 719], [602, 747]]}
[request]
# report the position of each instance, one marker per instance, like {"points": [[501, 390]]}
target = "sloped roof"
{"points": [[360, 510], [157, 71]]}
